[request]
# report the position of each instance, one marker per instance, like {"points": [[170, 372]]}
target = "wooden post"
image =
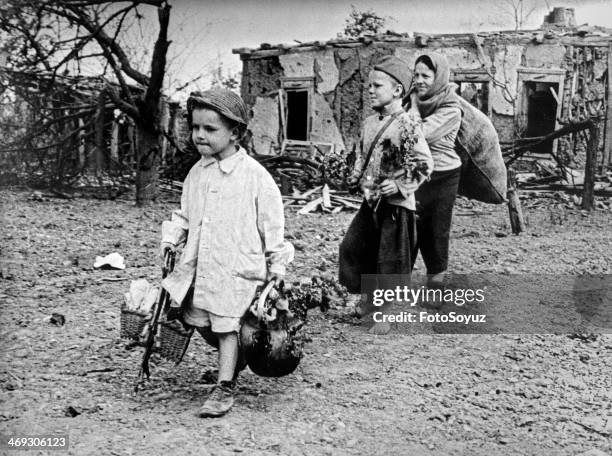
{"points": [[133, 147], [114, 151], [81, 143], [99, 158], [517, 222], [173, 129], [165, 122], [588, 191], [607, 155], [285, 182]]}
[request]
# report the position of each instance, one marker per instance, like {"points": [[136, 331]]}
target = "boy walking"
{"points": [[392, 162], [232, 224]]}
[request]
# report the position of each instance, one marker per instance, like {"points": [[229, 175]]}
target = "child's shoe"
{"points": [[219, 402]]}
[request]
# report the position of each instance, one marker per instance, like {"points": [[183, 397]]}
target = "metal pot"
{"points": [[269, 344]]}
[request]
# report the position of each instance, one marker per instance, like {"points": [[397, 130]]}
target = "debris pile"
{"points": [[322, 198], [319, 198], [547, 180]]}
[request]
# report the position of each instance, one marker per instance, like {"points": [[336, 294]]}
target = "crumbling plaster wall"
{"points": [[350, 100], [260, 89], [320, 65], [265, 125], [341, 103], [260, 86], [347, 105]]}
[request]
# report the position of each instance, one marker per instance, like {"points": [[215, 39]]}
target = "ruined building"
{"points": [[529, 83]]}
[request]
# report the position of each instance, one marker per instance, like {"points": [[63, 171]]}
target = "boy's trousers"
{"points": [[435, 201], [377, 242]]}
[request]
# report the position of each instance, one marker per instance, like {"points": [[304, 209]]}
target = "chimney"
{"points": [[560, 17]]}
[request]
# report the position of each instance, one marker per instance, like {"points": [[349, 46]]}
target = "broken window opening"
{"points": [[475, 93], [541, 113], [474, 87], [295, 103], [297, 115]]}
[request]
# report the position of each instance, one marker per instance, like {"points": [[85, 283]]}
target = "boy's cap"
{"points": [[224, 101], [397, 68]]}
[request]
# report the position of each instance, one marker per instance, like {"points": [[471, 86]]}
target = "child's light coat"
{"points": [[232, 217]]}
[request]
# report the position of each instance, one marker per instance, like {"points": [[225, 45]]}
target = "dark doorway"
{"points": [[541, 113], [297, 115]]}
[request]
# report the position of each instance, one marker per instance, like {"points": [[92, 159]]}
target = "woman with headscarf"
{"points": [[434, 98]]}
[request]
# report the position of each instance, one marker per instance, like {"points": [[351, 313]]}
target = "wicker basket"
{"points": [[132, 323], [173, 340]]}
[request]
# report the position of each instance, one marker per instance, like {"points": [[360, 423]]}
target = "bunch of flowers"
{"points": [[335, 170], [289, 303], [398, 161]]}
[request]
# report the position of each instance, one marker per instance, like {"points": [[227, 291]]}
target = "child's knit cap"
{"points": [[397, 68], [223, 101]]}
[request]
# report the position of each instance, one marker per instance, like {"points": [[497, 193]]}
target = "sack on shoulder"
{"points": [[483, 171]]}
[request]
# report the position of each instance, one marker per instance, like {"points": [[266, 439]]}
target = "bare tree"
{"points": [[520, 10], [58, 38]]}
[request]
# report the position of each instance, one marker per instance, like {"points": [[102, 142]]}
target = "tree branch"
{"points": [[158, 62], [124, 106], [83, 41], [82, 3], [77, 16]]}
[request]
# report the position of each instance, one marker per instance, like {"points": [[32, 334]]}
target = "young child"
{"points": [[392, 162], [232, 223]]}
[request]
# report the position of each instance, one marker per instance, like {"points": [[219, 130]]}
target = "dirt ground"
{"points": [[353, 394]]}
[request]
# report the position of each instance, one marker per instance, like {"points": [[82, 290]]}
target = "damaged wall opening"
{"points": [[295, 107], [297, 115], [538, 93], [473, 86], [541, 112], [476, 93]]}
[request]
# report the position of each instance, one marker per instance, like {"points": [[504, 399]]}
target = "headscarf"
{"points": [[441, 94]]}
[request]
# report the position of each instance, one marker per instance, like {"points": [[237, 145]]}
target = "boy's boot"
{"points": [[219, 402]]}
